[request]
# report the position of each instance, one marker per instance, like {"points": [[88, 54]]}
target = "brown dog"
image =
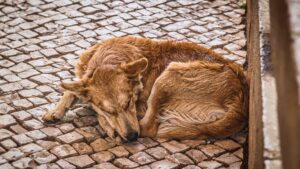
{"points": [[181, 90]]}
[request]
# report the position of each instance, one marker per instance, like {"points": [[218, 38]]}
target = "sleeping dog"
{"points": [[179, 89]]}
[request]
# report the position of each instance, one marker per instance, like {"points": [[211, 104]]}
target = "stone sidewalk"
{"points": [[40, 41]]}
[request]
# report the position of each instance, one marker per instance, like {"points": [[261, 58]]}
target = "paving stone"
{"points": [[40, 62], [81, 161], [45, 89], [67, 49], [5, 108], [37, 101], [22, 139], [22, 103], [6, 63], [143, 167], [101, 144], [236, 165], [27, 84], [227, 159], [8, 144], [33, 124], [18, 129], [28, 33], [44, 78], [64, 164], [25, 162], [13, 154], [196, 155], [7, 120], [227, 144], [30, 93], [148, 142], [43, 157], [70, 137], [28, 73], [179, 158], [125, 163], [51, 131], [239, 153], [7, 166], [103, 156], [164, 164], [211, 150], [209, 164], [8, 53], [191, 167], [193, 143], [49, 52], [134, 147], [2, 160], [2, 150], [31, 148], [105, 166], [67, 127], [9, 87], [174, 146], [11, 78], [158, 152], [36, 134], [82, 148], [5, 134], [4, 72], [66, 22], [119, 151], [232, 47], [46, 166], [142, 158], [47, 145], [63, 151]]}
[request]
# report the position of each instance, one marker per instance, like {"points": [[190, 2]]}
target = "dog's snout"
{"points": [[132, 136]]}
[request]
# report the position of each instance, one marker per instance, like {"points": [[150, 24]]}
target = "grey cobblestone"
{"points": [[39, 46]]}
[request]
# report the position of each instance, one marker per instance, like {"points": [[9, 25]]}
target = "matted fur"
{"points": [[181, 90]]}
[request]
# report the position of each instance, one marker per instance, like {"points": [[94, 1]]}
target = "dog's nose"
{"points": [[132, 136]]}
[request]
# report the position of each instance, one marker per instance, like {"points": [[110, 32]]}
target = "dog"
{"points": [[180, 90]]}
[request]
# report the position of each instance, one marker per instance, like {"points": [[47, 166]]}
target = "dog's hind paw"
{"points": [[52, 116]]}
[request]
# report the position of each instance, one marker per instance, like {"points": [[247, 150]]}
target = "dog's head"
{"points": [[112, 91]]}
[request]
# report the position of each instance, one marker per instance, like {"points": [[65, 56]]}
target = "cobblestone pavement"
{"points": [[39, 45]]}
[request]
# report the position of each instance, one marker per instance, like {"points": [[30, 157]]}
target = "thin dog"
{"points": [[180, 90]]}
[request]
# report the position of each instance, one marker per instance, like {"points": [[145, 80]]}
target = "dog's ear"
{"points": [[135, 67], [75, 86]]}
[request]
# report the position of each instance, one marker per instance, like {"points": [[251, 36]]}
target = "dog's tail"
{"points": [[234, 121], [237, 113]]}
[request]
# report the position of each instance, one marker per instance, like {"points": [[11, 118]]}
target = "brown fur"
{"points": [[181, 90]]}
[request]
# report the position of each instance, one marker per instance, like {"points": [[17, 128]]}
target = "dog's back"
{"points": [[203, 100]]}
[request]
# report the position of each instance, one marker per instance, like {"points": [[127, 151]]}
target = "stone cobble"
{"points": [[40, 41]]}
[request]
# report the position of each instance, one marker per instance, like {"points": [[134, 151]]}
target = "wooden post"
{"points": [[255, 159], [285, 68]]}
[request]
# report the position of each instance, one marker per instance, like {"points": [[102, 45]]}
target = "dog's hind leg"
{"points": [[60, 110], [149, 125]]}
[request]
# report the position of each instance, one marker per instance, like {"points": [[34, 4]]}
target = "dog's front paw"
{"points": [[148, 130], [53, 116]]}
